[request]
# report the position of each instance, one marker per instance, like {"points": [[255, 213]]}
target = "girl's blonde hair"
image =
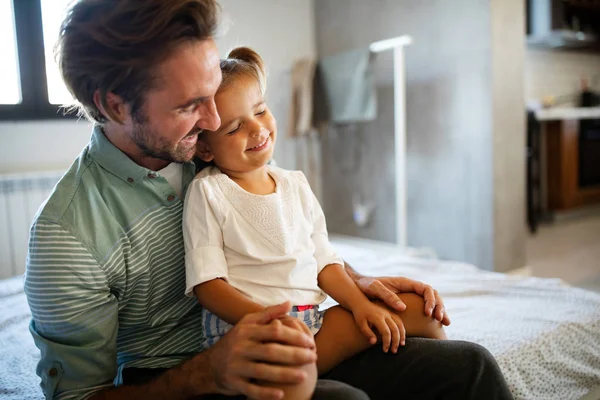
{"points": [[243, 61]]}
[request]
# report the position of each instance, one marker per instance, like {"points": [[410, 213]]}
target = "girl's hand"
{"points": [[389, 325]]}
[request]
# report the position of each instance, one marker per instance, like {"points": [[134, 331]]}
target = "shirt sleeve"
{"points": [[325, 254], [203, 238], [74, 315]]}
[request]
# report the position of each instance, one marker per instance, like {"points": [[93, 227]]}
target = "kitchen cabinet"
{"points": [[573, 24], [562, 158]]}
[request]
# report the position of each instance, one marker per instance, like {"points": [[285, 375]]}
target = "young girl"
{"points": [[255, 236]]}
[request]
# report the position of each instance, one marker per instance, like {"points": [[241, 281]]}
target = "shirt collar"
{"points": [[114, 160]]}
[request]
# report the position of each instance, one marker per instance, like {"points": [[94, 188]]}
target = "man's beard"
{"points": [[153, 145]]}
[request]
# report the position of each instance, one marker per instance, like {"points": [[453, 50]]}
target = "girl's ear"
{"points": [[203, 151]]}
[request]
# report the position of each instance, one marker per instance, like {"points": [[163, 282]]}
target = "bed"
{"points": [[544, 333]]}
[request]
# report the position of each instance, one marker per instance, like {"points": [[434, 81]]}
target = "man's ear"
{"points": [[203, 151], [115, 109]]}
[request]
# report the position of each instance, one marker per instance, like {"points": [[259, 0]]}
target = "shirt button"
{"points": [[130, 180], [151, 176], [53, 372], [171, 197]]}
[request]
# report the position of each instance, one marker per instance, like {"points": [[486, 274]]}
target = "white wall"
{"points": [[281, 31], [558, 73], [41, 145]]}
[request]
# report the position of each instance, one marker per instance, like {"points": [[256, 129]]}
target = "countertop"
{"points": [[559, 113]]}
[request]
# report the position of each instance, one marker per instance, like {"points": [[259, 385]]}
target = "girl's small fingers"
{"points": [[401, 329], [384, 331], [395, 333], [367, 331]]}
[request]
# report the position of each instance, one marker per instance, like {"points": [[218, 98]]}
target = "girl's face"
{"points": [[246, 138]]}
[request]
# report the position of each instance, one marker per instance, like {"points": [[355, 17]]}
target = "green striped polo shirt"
{"points": [[105, 274]]}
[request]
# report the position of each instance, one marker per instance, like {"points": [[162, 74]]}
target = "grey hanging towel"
{"points": [[349, 83]]}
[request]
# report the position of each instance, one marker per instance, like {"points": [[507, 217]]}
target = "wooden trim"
{"points": [[555, 166], [570, 167], [562, 172]]}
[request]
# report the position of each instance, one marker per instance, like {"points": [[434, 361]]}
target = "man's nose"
{"points": [[209, 119]]}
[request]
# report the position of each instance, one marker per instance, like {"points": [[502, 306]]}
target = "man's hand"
{"points": [[294, 323], [261, 347], [387, 288]]}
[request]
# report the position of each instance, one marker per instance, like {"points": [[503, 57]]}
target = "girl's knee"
{"points": [[416, 322], [304, 390]]}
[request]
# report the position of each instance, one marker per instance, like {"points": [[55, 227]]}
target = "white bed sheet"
{"points": [[544, 334]]}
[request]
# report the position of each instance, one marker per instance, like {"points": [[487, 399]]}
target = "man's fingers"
{"points": [[439, 312], [274, 374], [279, 333], [268, 314], [446, 320], [275, 353], [296, 323], [430, 301], [390, 298]]}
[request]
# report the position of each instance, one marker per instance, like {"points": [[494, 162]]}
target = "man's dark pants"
{"points": [[423, 369]]}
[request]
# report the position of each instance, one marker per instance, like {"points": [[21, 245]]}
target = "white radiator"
{"points": [[20, 198]]}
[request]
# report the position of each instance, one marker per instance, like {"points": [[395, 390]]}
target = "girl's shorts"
{"points": [[215, 327]]}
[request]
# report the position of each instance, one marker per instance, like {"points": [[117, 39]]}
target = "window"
{"points": [[9, 70], [30, 82], [53, 13]]}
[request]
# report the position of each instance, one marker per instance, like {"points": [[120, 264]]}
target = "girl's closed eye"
{"points": [[263, 112], [231, 132]]}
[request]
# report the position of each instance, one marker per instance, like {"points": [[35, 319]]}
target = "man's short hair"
{"points": [[116, 45]]}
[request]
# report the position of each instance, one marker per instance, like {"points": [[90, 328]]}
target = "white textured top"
{"points": [[269, 247]]}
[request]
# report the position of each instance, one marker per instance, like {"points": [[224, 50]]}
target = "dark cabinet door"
{"points": [[589, 153]]}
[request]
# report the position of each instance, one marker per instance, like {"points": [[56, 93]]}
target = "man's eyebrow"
{"points": [[192, 102], [259, 103]]}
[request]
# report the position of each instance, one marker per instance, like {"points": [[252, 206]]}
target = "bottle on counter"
{"points": [[588, 98]]}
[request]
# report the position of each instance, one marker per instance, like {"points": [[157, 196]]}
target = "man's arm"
{"points": [[259, 347], [74, 314], [192, 378]]}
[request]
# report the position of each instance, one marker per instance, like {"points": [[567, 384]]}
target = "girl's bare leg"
{"points": [[339, 338], [304, 390]]}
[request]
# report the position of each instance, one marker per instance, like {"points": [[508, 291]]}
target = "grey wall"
{"points": [[359, 161], [453, 93]]}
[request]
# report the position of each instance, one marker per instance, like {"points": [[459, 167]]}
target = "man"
{"points": [[105, 272]]}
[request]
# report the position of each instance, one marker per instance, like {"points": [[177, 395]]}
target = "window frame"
{"points": [[29, 34]]}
